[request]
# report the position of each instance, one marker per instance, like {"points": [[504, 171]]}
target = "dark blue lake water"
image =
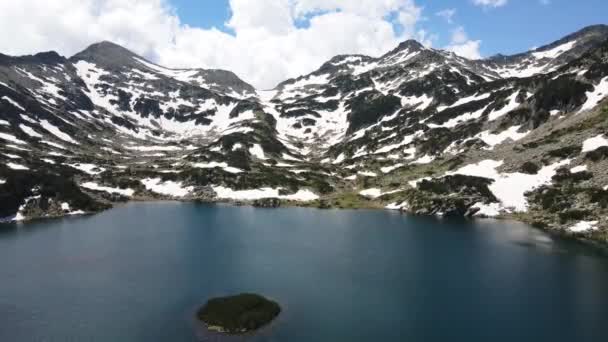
{"points": [[139, 272]]}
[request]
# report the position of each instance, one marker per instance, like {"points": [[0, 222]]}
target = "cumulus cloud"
{"points": [[267, 43], [461, 44], [490, 3], [268, 47], [30, 26], [447, 14]]}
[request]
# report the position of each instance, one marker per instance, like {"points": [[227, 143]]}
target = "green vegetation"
{"points": [[49, 186], [350, 200], [573, 215], [567, 202], [596, 121], [530, 168], [564, 175], [565, 152], [238, 314]]}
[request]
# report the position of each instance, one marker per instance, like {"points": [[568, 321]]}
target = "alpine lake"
{"points": [[141, 271]]}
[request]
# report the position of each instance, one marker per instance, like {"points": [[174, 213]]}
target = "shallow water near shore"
{"points": [[139, 272]]}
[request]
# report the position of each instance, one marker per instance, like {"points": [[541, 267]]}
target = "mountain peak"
{"points": [[600, 29], [106, 53], [560, 51], [106, 47], [409, 45], [586, 37]]}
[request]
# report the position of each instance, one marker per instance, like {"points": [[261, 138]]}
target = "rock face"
{"points": [[238, 314], [415, 129]]}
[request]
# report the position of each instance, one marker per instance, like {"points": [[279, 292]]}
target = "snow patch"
{"points": [[254, 194], [584, 226], [371, 193], [461, 118], [580, 168], [513, 104], [153, 148], [594, 97], [310, 80], [16, 166], [510, 188], [91, 169], [12, 156], [30, 131], [390, 169], [497, 139], [465, 100], [285, 156], [374, 193], [406, 141], [97, 187], [339, 159], [257, 151], [14, 103], [12, 138], [168, 188], [367, 174], [594, 143], [57, 132], [427, 159], [213, 165], [50, 143], [397, 206], [555, 52], [487, 210]]}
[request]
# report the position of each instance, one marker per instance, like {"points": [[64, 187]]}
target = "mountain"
{"points": [[418, 129]]}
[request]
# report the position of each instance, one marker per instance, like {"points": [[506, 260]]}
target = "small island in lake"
{"points": [[238, 314]]}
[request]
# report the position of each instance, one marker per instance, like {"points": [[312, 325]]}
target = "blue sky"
{"points": [[514, 27]]}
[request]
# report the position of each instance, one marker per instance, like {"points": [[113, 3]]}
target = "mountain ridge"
{"points": [[419, 130]]}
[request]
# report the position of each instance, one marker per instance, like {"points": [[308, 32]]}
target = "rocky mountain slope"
{"points": [[417, 129]]}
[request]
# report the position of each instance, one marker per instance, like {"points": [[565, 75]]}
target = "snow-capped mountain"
{"points": [[417, 129]]}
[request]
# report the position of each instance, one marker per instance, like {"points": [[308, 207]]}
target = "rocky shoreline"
{"points": [[275, 203]]}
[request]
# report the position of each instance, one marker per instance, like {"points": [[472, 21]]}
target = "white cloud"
{"points": [[267, 46], [447, 14], [490, 3], [461, 45], [273, 17], [68, 26]]}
